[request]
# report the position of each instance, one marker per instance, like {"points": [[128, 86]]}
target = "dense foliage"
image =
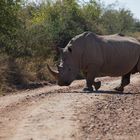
{"points": [[30, 33]]}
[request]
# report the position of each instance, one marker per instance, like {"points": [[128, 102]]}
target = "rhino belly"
{"points": [[118, 66], [116, 71]]}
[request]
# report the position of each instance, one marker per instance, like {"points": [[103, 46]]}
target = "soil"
{"points": [[66, 113]]}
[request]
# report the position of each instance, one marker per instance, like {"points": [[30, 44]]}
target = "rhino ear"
{"points": [[70, 50]]}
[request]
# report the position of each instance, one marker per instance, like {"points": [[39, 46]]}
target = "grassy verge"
{"points": [[23, 73]]}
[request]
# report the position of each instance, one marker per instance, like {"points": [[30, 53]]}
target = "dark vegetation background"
{"points": [[30, 34]]}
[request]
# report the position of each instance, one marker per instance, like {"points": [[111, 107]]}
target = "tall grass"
{"points": [[23, 73]]}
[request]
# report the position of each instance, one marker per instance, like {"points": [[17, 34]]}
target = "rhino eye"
{"points": [[69, 69], [70, 50]]}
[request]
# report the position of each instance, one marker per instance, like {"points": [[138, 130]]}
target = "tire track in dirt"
{"points": [[52, 119], [115, 117], [65, 113], [14, 108]]}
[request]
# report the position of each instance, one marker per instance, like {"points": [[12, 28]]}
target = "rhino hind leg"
{"points": [[124, 82], [138, 66]]}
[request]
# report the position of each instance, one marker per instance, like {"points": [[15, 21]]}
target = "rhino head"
{"points": [[68, 68]]}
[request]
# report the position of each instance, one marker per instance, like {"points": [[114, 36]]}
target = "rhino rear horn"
{"points": [[53, 72]]}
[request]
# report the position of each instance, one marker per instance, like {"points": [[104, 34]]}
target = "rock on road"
{"points": [[65, 113]]}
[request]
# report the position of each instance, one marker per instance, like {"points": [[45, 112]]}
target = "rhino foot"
{"points": [[88, 89], [119, 88], [97, 85]]}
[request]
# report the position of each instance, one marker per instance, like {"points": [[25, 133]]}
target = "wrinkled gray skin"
{"points": [[97, 56]]}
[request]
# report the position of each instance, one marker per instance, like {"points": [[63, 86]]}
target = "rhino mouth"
{"points": [[57, 77]]}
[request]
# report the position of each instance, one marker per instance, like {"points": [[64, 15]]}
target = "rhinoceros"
{"points": [[97, 56]]}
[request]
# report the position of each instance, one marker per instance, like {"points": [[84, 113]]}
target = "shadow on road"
{"points": [[113, 92], [105, 92]]}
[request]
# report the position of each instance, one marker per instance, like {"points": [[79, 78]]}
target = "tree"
{"points": [[118, 21], [92, 12], [61, 21], [9, 23], [126, 20], [136, 27]]}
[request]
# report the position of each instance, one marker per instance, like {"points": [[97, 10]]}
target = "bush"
{"points": [[30, 34]]}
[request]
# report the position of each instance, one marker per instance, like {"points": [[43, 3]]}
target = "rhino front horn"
{"points": [[53, 72]]}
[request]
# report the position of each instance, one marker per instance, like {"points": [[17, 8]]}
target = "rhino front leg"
{"points": [[89, 87], [124, 82], [89, 83], [97, 85], [90, 80]]}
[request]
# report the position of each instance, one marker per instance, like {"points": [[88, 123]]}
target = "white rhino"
{"points": [[98, 56]]}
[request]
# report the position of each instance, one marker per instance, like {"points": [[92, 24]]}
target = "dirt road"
{"points": [[65, 113]]}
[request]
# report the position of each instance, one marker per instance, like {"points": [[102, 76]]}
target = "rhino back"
{"points": [[114, 55], [120, 55], [93, 50]]}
